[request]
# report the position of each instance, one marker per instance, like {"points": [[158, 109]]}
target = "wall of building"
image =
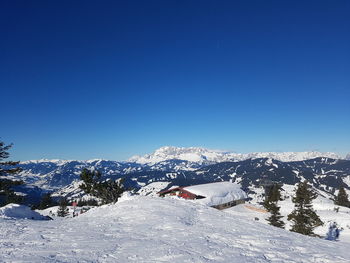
{"points": [[229, 204]]}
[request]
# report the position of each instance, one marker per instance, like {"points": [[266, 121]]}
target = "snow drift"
{"points": [[16, 211]]}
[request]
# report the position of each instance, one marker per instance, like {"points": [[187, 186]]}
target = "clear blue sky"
{"points": [[109, 79]]}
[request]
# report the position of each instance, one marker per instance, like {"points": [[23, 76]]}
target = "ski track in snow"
{"points": [[145, 229]]}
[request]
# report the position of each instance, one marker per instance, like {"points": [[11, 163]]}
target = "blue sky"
{"points": [[110, 79]]}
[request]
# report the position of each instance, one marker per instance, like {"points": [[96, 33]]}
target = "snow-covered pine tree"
{"points": [[63, 210], [107, 191], [303, 216], [271, 205], [342, 198]]}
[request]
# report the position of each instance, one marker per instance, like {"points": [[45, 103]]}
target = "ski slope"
{"points": [[151, 229]]}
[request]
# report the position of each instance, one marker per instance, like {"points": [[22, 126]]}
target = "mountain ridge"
{"points": [[202, 155], [193, 165]]}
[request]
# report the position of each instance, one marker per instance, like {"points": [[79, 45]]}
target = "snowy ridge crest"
{"points": [[203, 155], [191, 154], [60, 161]]}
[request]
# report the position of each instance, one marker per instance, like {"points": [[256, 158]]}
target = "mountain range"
{"points": [[206, 156], [188, 166]]}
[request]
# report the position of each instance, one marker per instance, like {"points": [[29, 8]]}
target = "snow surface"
{"points": [[15, 211], [52, 211], [146, 229], [217, 193]]}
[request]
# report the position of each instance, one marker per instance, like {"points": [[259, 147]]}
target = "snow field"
{"points": [[146, 229]]}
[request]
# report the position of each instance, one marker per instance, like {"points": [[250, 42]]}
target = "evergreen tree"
{"points": [[7, 194], [63, 210], [108, 191], [342, 198], [303, 216], [271, 205], [46, 201]]}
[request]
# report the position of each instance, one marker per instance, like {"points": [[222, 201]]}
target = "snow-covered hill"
{"points": [[145, 229]]}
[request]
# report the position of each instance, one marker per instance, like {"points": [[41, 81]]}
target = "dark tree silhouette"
{"points": [[271, 204], [342, 198], [63, 210], [303, 216], [7, 194]]}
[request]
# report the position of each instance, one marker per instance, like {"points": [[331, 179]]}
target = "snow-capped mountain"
{"points": [[190, 154], [186, 166], [206, 156]]}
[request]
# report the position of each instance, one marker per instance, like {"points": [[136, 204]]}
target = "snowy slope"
{"points": [[324, 207], [146, 229]]}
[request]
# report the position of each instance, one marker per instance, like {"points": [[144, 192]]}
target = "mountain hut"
{"points": [[219, 195]]}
